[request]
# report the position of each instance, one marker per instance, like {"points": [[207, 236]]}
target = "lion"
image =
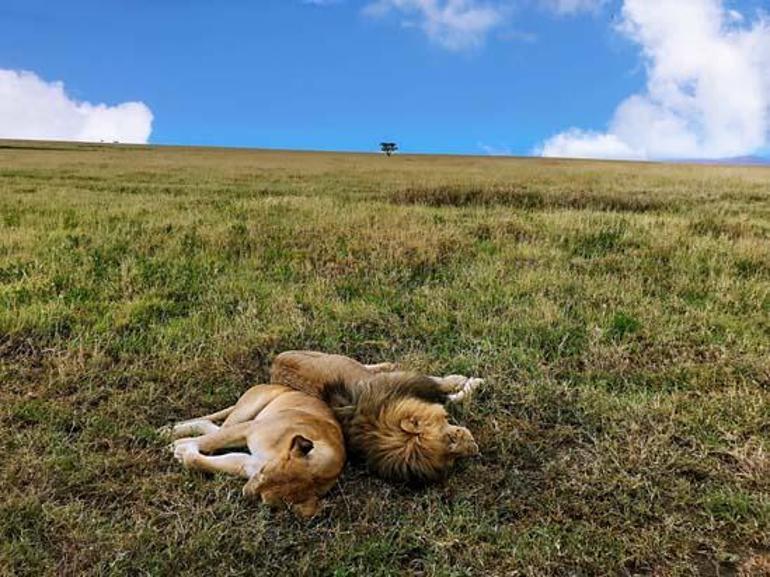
{"points": [[395, 420], [296, 446]]}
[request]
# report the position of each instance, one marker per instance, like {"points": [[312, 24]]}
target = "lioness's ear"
{"points": [[301, 446], [411, 425]]}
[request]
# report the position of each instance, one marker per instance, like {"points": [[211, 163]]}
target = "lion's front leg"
{"points": [[237, 464], [223, 438]]}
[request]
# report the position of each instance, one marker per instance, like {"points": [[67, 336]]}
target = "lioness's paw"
{"points": [[185, 450], [165, 432], [251, 490]]}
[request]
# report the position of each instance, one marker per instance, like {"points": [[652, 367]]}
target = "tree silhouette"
{"points": [[388, 147]]}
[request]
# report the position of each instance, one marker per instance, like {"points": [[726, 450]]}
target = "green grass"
{"points": [[620, 313]]}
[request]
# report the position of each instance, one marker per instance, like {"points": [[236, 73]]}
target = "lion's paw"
{"points": [[466, 390], [185, 450], [456, 382]]}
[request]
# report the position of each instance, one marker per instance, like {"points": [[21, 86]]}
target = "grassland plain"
{"points": [[620, 313]]}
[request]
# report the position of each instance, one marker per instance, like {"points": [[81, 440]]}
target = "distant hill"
{"points": [[737, 160]]}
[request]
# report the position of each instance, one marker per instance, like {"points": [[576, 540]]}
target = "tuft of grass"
{"points": [[623, 324], [619, 312]]}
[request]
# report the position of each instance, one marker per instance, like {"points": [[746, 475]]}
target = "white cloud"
{"points": [[31, 108], [576, 143], [707, 93], [463, 24], [574, 6], [452, 24], [495, 150]]}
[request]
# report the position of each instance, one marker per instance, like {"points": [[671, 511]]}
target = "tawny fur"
{"points": [[295, 446], [394, 420], [396, 453]]}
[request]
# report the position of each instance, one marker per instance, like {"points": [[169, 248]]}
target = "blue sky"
{"points": [[454, 76]]}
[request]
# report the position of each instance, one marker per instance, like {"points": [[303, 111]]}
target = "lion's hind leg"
{"points": [[381, 368], [458, 387]]}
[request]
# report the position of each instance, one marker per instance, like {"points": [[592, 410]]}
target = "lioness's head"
{"points": [[300, 471], [410, 439]]}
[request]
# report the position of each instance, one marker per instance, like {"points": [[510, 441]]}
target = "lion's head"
{"points": [[298, 472], [409, 439]]}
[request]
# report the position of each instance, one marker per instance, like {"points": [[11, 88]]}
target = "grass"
{"points": [[620, 313]]}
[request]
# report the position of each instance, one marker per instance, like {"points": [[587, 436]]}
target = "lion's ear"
{"points": [[411, 425], [301, 446]]}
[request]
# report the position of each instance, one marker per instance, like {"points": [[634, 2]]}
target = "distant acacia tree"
{"points": [[388, 147]]}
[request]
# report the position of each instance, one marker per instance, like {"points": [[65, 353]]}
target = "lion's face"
{"points": [[429, 423], [410, 439], [442, 442], [298, 474], [460, 442]]}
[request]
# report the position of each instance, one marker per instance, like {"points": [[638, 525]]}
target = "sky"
{"points": [[634, 79]]}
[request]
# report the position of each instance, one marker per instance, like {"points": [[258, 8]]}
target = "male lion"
{"points": [[394, 420], [296, 447]]}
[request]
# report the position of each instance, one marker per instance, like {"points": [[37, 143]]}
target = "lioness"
{"points": [[394, 420], [296, 447]]}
